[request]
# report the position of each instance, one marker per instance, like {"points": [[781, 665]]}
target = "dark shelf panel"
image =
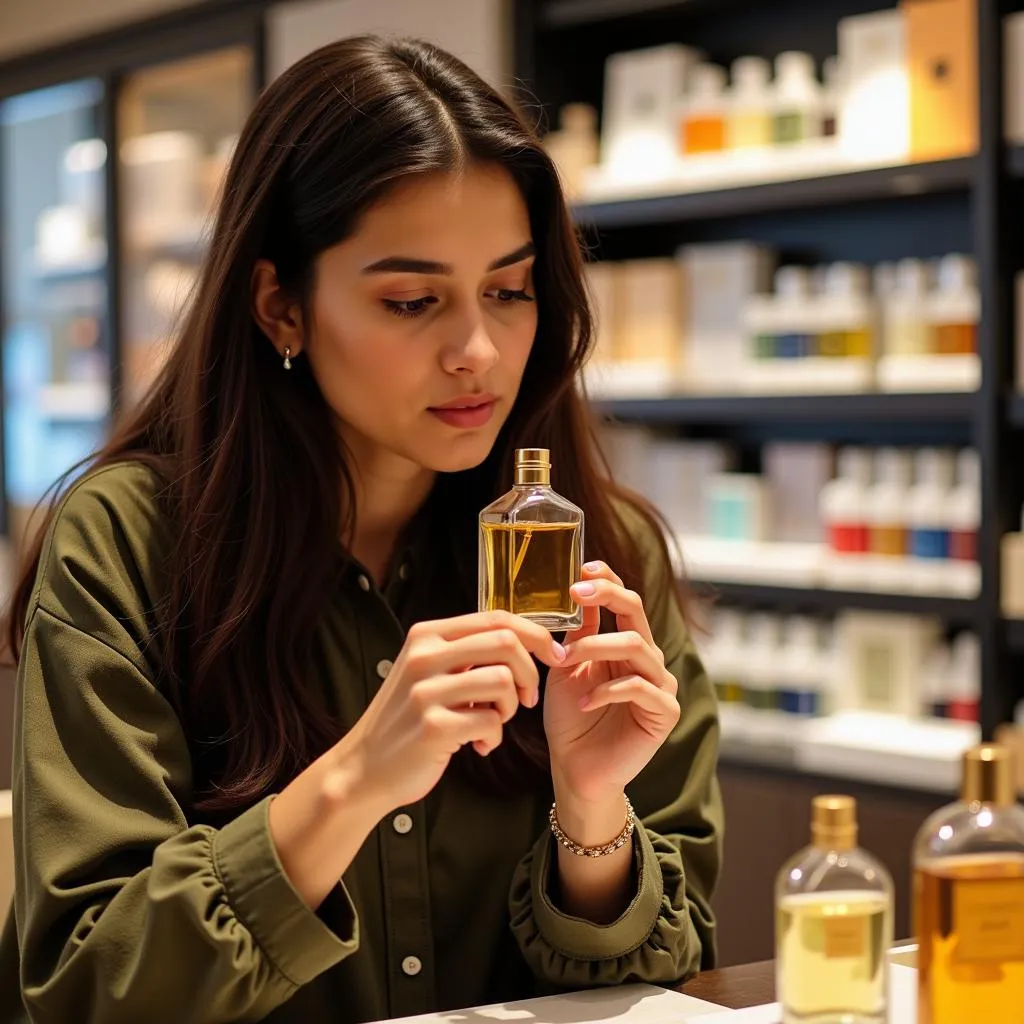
{"points": [[568, 13], [1015, 161], [1015, 635], [830, 190], [754, 409], [1016, 411], [829, 602]]}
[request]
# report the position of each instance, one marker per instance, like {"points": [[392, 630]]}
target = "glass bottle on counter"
{"points": [[704, 117], [833, 925], [531, 548], [969, 899]]}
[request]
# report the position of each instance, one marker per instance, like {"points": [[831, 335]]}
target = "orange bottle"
{"points": [[704, 122]]}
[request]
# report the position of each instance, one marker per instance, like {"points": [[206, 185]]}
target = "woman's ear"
{"points": [[275, 310]]}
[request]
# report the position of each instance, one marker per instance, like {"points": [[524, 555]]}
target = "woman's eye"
{"points": [[508, 296], [410, 307]]}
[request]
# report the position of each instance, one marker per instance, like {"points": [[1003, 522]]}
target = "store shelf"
{"points": [[1015, 161], [828, 190], [91, 265], [740, 409], [570, 13], [828, 602]]}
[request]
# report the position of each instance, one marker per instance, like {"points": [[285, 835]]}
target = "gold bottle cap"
{"points": [[988, 775], [834, 822], [533, 466]]}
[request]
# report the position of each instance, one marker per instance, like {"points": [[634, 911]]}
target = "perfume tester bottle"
{"points": [[833, 925], [531, 548], [969, 899]]}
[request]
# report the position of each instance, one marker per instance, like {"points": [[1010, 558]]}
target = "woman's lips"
{"points": [[466, 417]]}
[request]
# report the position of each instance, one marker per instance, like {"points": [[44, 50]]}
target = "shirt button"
{"points": [[384, 667], [402, 824], [412, 966], [364, 583]]}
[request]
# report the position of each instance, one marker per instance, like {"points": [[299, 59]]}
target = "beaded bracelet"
{"points": [[594, 851]]}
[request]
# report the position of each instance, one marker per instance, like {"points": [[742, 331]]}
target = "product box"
{"points": [[642, 91], [720, 280], [942, 59], [1013, 77], [875, 115]]}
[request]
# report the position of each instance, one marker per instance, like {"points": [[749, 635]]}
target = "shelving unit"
{"points": [[882, 213], [860, 186]]}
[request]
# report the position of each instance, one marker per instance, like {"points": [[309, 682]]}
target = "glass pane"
{"points": [[56, 346], [179, 123]]}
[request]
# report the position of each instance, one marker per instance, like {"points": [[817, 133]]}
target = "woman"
{"points": [[270, 763]]}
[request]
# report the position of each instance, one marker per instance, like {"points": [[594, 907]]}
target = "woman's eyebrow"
{"points": [[412, 265]]}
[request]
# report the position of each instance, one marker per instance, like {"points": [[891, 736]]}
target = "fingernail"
{"points": [[584, 589], [557, 650], [592, 566]]}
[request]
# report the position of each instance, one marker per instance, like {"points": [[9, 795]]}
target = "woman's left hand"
{"points": [[612, 703]]}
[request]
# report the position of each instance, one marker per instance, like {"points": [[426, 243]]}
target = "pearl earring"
{"points": [[287, 358]]}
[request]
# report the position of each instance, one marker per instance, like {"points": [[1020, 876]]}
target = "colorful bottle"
{"points": [[954, 308], [726, 659], [832, 96], [795, 308], [750, 106], [969, 899], [531, 548], [964, 511], [797, 99], [761, 690], [800, 668], [907, 329], [704, 120], [844, 503], [833, 925], [929, 504], [887, 504], [847, 313], [963, 678]]}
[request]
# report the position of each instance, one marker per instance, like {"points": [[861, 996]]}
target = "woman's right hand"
{"points": [[455, 681]]}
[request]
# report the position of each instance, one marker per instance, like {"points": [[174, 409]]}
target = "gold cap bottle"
{"points": [[988, 776], [834, 822], [533, 466]]}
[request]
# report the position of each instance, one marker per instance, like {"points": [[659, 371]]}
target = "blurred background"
{"points": [[803, 223]]}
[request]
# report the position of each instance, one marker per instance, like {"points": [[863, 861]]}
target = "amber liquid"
{"points": [[703, 135], [956, 339], [831, 961], [969, 918], [530, 568]]}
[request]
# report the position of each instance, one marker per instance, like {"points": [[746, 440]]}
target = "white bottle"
{"points": [[798, 100], [907, 330], [887, 507], [928, 518], [844, 512], [964, 516], [963, 686], [750, 104], [726, 662], [801, 668], [762, 676]]}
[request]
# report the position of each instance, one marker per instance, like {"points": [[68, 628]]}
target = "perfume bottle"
{"points": [[969, 898], [531, 548], [833, 925]]}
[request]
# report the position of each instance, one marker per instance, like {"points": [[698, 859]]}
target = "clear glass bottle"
{"points": [[531, 548], [833, 925], [969, 898]]}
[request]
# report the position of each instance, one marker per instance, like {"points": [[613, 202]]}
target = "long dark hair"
{"points": [[250, 456]]}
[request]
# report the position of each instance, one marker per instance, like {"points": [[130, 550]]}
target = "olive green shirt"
{"points": [[128, 910]]}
